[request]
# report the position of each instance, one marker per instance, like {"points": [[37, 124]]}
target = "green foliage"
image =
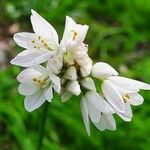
{"points": [[119, 34]]}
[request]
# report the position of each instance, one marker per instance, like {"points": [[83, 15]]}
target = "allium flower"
{"points": [[79, 57], [94, 106], [72, 46], [40, 46], [119, 91], [67, 71], [36, 84], [74, 35]]}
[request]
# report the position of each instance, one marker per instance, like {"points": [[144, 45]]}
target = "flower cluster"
{"points": [[68, 70]]}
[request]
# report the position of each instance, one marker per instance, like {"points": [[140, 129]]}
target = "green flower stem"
{"points": [[42, 126]]}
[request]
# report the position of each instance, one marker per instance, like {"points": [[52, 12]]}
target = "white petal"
{"points": [[135, 99], [56, 82], [84, 111], [106, 122], [66, 95], [24, 39], [30, 58], [80, 52], [48, 93], [129, 84], [110, 122], [127, 115], [88, 84], [43, 28], [27, 88], [73, 87], [82, 33], [70, 23], [34, 101], [97, 101], [85, 66], [28, 74], [68, 37], [54, 65], [40, 68], [113, 96], [71, 73], [94, 113], [86, 70], [103, 70], [101, 125]]}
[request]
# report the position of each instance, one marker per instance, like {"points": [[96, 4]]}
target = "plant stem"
{"points": [[42, 125]]}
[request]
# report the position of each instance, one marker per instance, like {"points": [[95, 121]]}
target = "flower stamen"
{"points": [[126, 97], [33, 41], [75, 34], [34, 79]]}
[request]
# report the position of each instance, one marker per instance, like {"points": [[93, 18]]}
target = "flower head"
{"points": [[66, 69]]}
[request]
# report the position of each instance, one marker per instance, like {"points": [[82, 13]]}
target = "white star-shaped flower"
{"points": [[39, 46], [36, 83], [73, 49], [119, 91], [74, 34]]}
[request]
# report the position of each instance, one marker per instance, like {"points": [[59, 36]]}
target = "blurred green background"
{"points": [[119, 34]]}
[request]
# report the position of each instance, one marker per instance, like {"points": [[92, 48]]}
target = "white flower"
{"points": [[74, 35], [85, 65], [93, 106], [72, 46], [103, 70], [55, 65], [70, 84], [40, 46], [88, 84], [71, 73], [73, 87], [79, 56], [119, 91], [71, 56], [36, 84]]}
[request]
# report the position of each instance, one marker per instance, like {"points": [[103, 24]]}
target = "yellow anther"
{"points": [[39, 81], [35, 46], [33, 41], [45, 45], [75, 34], [126, 97], [34, 79], [42, 41], [39, 37]]}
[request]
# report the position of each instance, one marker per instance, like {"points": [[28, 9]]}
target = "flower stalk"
{"points": [[42, 126]]}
